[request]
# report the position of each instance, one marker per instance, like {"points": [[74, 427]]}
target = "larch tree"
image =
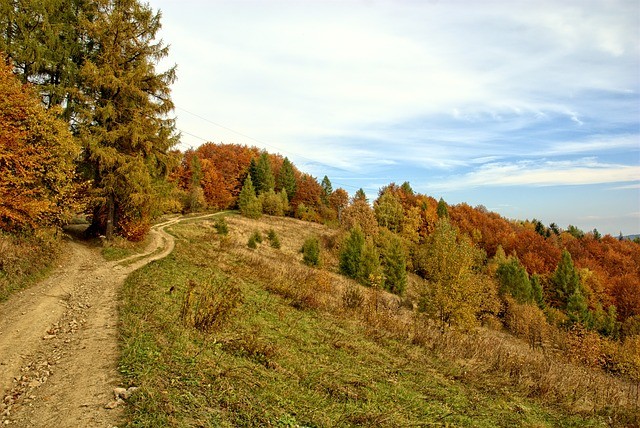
{"points": [[36, 160], [97, 60], [447, 261], [389, 212], [394, 262], [125, 126]]}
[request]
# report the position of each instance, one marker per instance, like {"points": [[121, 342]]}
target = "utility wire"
{"points": [[259, 142]]}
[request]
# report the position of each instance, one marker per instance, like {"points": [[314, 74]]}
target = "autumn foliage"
{"points": [[36, 159]]}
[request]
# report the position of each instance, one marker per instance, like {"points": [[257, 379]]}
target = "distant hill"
{"points": [[631, 237]]}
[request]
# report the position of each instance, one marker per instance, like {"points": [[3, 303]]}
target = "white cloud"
{"points": [[545, 173]]}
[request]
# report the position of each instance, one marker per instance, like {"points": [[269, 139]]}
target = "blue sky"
{"points": [[531, 108]]}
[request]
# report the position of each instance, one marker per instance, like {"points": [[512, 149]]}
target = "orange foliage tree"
{"points": [[37, 155]]}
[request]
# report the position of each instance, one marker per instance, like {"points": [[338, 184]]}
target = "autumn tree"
{"points": [[97, 59], [389, 212], [36, 159], [453, 294], [338, 201], [360, 214]]}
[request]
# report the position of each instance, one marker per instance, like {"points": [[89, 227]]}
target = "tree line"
{"points": [[85, 126]]}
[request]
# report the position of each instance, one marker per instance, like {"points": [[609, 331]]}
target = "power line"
{"points": [[259, 142]]}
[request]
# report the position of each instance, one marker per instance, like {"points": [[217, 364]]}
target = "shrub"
{"points": [[221, 226], [254, 240], [208, 305], [274, 241], [311, 251], [352, 297]]}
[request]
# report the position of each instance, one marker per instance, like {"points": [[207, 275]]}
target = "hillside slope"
{"points": [[218, 334]]}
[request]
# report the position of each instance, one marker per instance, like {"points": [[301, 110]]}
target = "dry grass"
{"points": [[487, 358]]}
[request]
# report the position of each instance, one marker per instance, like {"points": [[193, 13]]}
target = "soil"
{"points": [[59, 340]]}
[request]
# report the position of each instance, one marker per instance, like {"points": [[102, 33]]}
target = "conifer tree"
{"points": [[248, 202], [351, 253], [395, 265], [124, 124], [360, 196], [389, 212], [442, 210], [287, 179], [565, 280], [514, 280], [454, 292], [327, 190], [261, 174], [370, 269]]}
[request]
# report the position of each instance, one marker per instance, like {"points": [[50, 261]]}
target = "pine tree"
{"points": [[287, 179], [261, 174], [248, 202], [97, 59], [311, 251], [360, 196]]}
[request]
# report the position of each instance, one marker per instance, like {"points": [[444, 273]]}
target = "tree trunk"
{"points": [[111, 209]]}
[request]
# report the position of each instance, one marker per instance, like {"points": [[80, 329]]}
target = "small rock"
{"points": [[114, 404], [49, 336], [130, 392], [120, 392]]}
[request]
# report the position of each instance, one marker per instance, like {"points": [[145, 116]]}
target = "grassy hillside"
{"points": [[218, 334]]}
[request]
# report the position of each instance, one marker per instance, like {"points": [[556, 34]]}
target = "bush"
{"points": [[254, 240], [274, 241], [311, 252], [221, 226], [208, 305], [352, 297]]}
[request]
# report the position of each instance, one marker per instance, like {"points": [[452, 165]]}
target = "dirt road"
{"points": [[58, 340]]}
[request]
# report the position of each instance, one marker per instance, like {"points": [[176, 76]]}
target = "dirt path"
{"points": [[59, 343]]}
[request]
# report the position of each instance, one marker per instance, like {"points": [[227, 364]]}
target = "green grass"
{"points": [[275, 365], [120, 248]]}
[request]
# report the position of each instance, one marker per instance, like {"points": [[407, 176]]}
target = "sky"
{"points": [[530, 108]]}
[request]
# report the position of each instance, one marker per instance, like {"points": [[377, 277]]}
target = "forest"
{"points": [[86, 128]]}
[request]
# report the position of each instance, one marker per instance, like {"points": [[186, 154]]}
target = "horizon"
{"points": [[532, 110]]}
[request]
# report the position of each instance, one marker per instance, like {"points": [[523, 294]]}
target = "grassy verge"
{"points": [[289, 354], [26, 259], [119, 248]]}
